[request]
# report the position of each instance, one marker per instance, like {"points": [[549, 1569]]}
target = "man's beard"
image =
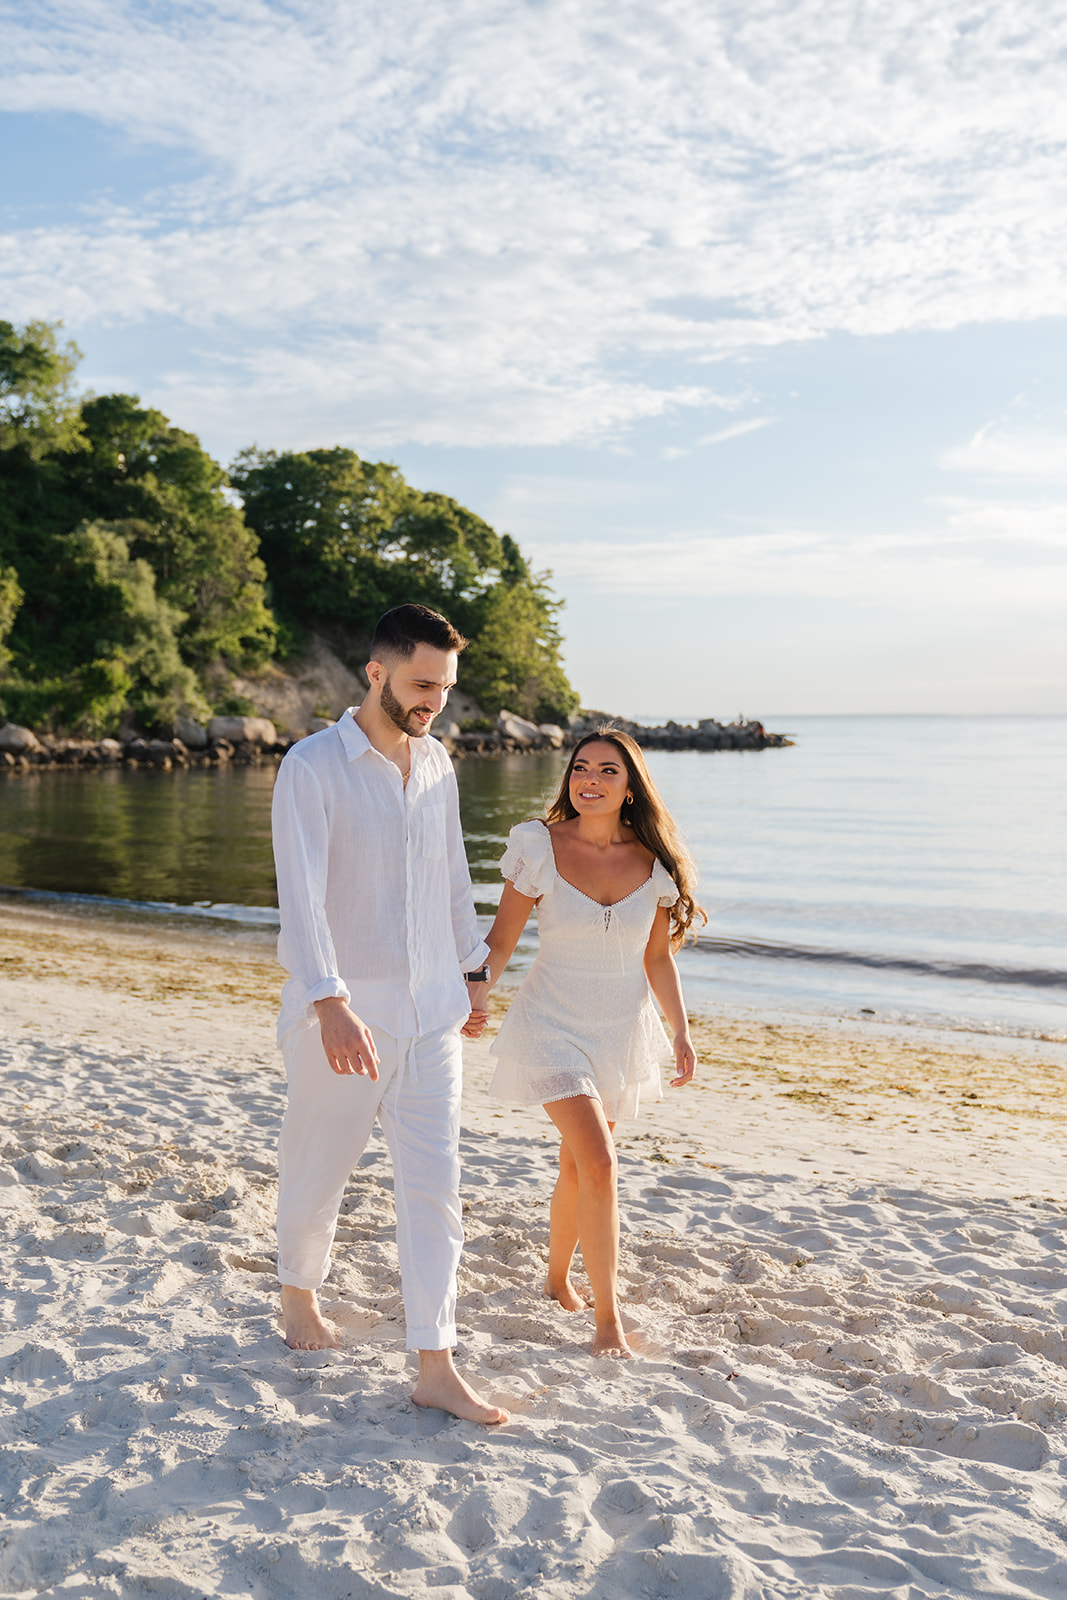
{"points": [[406, 721]]}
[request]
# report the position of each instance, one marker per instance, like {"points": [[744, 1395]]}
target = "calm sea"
{"points": [[900, 868]]}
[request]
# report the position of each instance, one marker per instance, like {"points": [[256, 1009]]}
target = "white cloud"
{"points": [[499, 217], [983, 556], [997, 450], [736, 430]]}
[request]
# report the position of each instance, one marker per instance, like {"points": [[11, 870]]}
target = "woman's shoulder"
{"points": [[533, 832], [665, 886], [528, 860]]}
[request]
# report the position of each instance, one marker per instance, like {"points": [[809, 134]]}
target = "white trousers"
{"points": [[327, 1124]]}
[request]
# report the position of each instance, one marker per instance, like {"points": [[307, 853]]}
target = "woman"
{"points": [[614, 890]]}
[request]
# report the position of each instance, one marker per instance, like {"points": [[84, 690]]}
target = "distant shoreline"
{"points": [[22, 750]]}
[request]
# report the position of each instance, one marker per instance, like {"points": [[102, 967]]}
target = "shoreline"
{"points": [[258, 926], [869, 1098]]}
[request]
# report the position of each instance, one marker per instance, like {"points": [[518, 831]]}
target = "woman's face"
{"points": [[599, 782]]}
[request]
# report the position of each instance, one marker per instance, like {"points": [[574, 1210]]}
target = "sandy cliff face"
{"points": [[321, 684], [292, 696]]}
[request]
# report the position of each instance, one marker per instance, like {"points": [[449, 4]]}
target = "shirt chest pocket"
{"points": [[427, 831]]}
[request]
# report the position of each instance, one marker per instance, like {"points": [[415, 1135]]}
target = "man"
{"points": [[379, 935]]}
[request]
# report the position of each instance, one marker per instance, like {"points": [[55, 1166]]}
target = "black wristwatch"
{"points": [[481, 976]]}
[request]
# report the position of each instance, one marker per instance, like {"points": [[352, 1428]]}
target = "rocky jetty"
{"points": [[511, 733], [252, 741], [707, 734], [245, 741]]}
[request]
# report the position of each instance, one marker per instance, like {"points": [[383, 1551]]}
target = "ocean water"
{"points": [[913, 868], [901, 869]]}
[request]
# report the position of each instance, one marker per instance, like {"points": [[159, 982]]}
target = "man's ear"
{"points": [[376, 674]]}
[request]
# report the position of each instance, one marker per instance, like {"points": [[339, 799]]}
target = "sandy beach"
{"points": [[842, 1265]]}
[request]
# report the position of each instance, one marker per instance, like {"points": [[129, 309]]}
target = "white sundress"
{"points": [[583, 1021]]}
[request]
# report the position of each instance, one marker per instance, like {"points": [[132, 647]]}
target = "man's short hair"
{"points": [[400, 632]]}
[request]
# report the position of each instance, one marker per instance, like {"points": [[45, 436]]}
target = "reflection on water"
{"points": [[204, 835], [493, 796], [141, 835]]}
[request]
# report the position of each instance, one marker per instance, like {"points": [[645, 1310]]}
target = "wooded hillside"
{"points": [[138, 576]]}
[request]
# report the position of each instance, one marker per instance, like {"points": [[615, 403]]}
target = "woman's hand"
{"points": [[474, 1026], [478, 996], [685, 1060]]}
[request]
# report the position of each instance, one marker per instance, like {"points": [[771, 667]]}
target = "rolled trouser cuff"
{"points": [[442, 1338]]}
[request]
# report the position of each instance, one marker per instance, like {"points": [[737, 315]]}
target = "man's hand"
{"points": [[478, 996], [346, 1040]]}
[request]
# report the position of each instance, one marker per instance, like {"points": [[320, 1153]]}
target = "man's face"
{"points": [[414, 691]]}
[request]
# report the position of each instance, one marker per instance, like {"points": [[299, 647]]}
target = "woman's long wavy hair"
{"points": [[651, 822]]}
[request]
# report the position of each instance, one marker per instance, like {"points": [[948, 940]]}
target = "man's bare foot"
{"points": [[441, 1387], [610, 1340], [304, 1327], [566, 1295]]}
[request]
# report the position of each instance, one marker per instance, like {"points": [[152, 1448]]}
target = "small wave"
{"points": [[967, 971], [217, 911]]}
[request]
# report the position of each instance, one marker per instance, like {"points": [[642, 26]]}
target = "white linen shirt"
{"points": [[373, 885]]}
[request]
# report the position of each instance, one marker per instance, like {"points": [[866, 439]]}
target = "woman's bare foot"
{"points": [[304, 1327], [566, 1295], [441, 1387], [610, 1340]]}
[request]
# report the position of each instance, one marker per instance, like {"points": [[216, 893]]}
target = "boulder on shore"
{"points": [[18, 741], [193, 735], [518, 729], [242, 730]]}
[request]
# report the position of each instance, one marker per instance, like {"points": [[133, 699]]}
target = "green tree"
{"points": [[113, 462], [10, 600], [346, 539], [513, 659], [114, 646], [39, 413], [172, 500], [322, 518], [40, 424]]}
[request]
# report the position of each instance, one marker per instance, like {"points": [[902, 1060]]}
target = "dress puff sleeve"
{"points": [[528, 860], [666, 888]]}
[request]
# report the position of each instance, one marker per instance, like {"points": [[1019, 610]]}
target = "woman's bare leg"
{"points": [[586, 1135], [563, 1234]]}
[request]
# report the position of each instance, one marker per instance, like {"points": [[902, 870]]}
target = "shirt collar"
{"points": [[353, 738], [357, 744]]}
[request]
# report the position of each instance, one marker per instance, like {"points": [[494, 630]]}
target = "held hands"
{"points": [[346, 1040], [685, 1060], [478, 995]]}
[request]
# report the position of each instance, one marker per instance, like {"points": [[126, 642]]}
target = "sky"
{"points": [[745, 317]]}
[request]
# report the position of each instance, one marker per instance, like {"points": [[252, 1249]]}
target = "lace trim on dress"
{"points": [[564, 1086], [666, 888], [528, 861], [572, 1094]]}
